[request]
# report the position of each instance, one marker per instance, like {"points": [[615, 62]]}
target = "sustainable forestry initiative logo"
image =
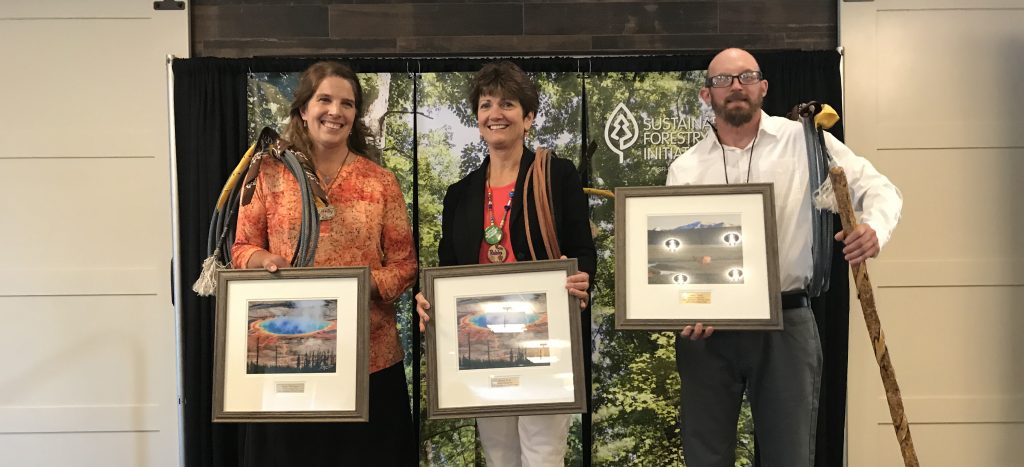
{"points": [[621, 130], [663, 136]]}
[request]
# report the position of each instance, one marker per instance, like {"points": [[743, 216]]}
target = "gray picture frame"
{"points": [[630, 312], [503, 272], [282, 278]]}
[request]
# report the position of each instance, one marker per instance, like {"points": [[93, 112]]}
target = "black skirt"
{"points": [[388, 439]]}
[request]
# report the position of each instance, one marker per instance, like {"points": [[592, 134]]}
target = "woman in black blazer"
{"points": [[462, 217], [482, 221]]}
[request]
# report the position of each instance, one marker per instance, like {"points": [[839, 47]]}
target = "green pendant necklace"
{"points": [[493, 234]]}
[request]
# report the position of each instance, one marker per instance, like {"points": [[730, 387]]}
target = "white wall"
{"points": [[933, 98], [87, 329]]}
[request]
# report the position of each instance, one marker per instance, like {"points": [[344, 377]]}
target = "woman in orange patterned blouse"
{"points": [[365, 225]]}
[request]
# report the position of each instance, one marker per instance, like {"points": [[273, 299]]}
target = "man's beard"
{"points": [[734, 116]]}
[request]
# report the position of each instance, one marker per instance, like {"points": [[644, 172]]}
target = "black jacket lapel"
{"points": [[472, 213]]}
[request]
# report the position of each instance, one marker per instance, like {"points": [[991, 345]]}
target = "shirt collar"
{"points": [[769, 125]]}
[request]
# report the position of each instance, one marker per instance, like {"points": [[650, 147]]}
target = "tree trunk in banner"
{"points": [[377, 108]]}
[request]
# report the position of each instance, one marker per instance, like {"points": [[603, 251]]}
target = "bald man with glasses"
{"points": [[779, 370]]}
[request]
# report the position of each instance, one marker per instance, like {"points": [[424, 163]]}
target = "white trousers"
{"points": [[527, 441]]}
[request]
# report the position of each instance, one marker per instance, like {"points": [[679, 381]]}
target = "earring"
{"points": [[304, 124]]}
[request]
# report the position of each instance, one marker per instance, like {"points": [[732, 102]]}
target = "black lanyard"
{"points": [[725, 168]]}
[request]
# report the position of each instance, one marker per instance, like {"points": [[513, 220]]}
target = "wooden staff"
{"points": [[867, 303]]}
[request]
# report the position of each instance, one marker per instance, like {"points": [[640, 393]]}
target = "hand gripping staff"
{"points": [[844, 205]]}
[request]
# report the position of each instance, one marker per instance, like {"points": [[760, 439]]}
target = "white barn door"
{"points": [[933, 98], [87, 327]]}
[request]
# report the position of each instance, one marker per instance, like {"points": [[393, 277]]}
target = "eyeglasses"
{"points": [[723, 81]]}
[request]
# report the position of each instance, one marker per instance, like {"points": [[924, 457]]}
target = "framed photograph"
{"points": [[697, 253], [503, 339], [292, 345]]}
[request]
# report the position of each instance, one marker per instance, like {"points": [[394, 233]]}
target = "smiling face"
{"points": [[330, 113], [736, 104], [501, 122]]}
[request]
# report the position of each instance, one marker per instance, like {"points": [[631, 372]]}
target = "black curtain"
{"points": [[210, 134]]}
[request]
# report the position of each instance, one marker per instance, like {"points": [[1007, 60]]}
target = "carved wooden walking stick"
{"points": [[867, 303], [865, 293]]}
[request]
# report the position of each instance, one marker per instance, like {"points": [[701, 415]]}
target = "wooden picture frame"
{"points": [[503, 339], [292, 345], [697, 253]]}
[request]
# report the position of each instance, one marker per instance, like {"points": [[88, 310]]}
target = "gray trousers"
{"points": [[781, 372]]}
